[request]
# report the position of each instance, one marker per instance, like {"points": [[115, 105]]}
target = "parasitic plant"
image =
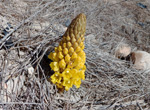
{"points": [[69, 58]]}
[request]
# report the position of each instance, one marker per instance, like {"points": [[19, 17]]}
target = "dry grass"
{"points": [[110, 83]]}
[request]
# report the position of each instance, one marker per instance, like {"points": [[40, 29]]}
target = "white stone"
{"points": [[122, 50], [141, 60]]}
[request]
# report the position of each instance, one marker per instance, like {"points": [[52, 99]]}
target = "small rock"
{"points": [[31, 70], [123, 50], [141, 60]]}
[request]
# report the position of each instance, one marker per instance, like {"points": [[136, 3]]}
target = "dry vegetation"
{"points": [[110, 83]]}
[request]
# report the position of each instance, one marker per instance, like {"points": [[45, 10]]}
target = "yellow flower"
{"points": [[74, 56], [77, 82], [77, 61], [64, 45], [66, 74], [53, 56], [79, 65], [60, 55], [54, 66], [67, 84], [71, 50], [82, 45], [74, 73], [76, 78], [75, 45], [84, 68], [70, 65], [62, 64], [69, 44], [56, 49], [59, 48], [65, 51], [78, 49], [81, 74], [59, 85], [68, 38], [50, 56], [67, 58], [56, 78], [73, 40], [81, 53], [77, 75]]}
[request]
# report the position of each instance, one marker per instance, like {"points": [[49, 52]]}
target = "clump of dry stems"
{"points": [[110, 83]]}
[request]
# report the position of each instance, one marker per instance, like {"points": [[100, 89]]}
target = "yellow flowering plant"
{"points": [[69, 58]]}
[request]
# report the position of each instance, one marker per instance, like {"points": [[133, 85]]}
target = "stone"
{"points": [[141, 60], [122, 50]]}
